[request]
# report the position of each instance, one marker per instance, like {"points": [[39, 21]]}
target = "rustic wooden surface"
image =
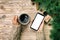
{"points": [[8, 31]]}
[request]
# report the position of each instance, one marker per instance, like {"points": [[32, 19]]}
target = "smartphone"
{"points": [[37, 21]]}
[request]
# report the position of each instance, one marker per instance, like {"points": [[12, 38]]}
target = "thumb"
{"points": [[14, 21]]}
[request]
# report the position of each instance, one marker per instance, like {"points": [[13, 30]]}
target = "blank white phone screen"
{"points": [[36, 23]]}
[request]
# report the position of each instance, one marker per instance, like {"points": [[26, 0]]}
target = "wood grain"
{"points": [[8, 31]]}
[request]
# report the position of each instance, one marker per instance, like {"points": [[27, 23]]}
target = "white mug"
{"points": [[24, 19]]}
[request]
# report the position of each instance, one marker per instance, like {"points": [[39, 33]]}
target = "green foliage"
{"points": [[51, 6], [55, 32], [53, 9]]}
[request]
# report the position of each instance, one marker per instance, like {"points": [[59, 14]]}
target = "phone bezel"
{"points": [[34, 19]]}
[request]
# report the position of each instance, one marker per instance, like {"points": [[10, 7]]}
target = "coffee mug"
{"points": [[24, 19]]}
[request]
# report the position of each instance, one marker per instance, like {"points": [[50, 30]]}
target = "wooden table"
{"points": [[8, 31]]}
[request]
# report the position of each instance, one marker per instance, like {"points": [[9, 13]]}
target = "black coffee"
{"points": [[24, 18]]}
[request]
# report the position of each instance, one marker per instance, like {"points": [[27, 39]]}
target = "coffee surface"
{"points": [[24, 18]]}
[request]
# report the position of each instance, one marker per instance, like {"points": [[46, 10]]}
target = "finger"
{"points": [[14, 21]]}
